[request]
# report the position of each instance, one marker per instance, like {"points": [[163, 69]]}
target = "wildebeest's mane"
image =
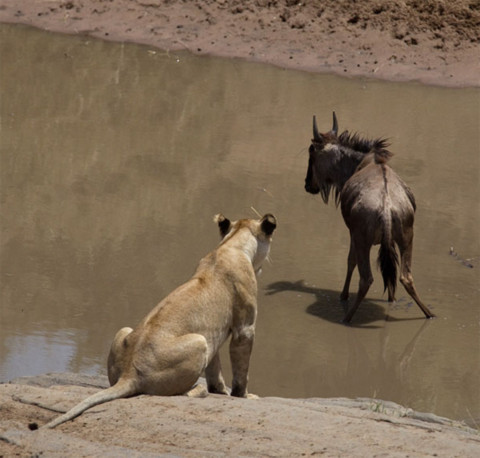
{"points": [[377, 146]]}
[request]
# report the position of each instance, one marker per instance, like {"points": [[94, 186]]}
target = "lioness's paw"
{"points": [[252, 396]]}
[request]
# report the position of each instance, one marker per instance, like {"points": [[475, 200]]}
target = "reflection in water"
{"points": [[40, 353], [114, 159]]}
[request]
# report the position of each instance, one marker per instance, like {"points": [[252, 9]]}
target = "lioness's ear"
{"points": [[223, 224], [269, 223]]}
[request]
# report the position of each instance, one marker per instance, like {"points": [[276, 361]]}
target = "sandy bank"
{"points": [[217, 425], [433, 42]]}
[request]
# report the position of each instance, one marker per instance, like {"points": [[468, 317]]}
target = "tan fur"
{"points": [[180, 338]]}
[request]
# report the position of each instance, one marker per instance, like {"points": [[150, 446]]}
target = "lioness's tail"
{"points": [[121, 389], [387, 257]]}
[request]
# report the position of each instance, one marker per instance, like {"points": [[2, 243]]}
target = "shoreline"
{"points": [[334, 39], [216, 425]]}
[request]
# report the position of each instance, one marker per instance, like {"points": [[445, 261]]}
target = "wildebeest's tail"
{"points": [[387, 257], [122, 389]]}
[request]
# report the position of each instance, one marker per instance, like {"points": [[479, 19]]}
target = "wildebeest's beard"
{"points": [[326, 189], [318, 179]]}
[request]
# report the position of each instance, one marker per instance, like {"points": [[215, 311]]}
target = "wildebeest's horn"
{"points": [[316, 135], [335, 124]]}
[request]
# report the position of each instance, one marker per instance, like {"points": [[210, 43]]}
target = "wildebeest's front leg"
{"points": [[213, 374], [351, 264]]}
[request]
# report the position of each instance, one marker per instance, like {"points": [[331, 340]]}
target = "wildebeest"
{"points": [[377, 207]]}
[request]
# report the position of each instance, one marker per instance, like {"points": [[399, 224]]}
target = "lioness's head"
{"points": [[253, 236]]}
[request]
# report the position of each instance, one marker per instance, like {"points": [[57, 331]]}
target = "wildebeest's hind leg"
{"points": [[391, 294], [351, 264], [406, 274], [362, 254]]}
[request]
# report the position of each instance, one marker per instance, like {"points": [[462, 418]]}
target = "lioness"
{"points": [[180, 338]]}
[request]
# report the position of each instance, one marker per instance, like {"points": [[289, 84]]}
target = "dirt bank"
{"points": [[432, 41], [217, 425]]}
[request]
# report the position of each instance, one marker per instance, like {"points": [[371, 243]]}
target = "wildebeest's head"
{"points": [[322, 158]]}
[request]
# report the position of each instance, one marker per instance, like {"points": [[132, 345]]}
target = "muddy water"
{"points": [[114, 158]]}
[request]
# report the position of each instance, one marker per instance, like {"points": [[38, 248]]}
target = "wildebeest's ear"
{"points": [[223, 224], [335, 125], [269, 223]]}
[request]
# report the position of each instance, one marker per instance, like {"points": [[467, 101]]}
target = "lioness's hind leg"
{"points": [[117, 354], [174, 365]]}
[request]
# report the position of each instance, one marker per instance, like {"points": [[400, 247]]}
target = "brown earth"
{"points": [[431, 41], [434, 42], [217, 425]]}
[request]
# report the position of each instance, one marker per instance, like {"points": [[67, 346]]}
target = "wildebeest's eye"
{"points": [[311, 150]]}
